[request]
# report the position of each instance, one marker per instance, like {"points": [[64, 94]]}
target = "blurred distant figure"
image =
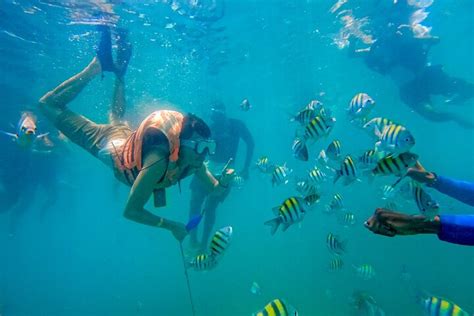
{"points": [[400, 50], [228, 132], [365, 305]]}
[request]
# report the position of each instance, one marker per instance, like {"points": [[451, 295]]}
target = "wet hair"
{"points": [[193, 124]]}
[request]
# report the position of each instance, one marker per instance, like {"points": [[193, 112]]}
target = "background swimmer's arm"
{"points": [[206, 177], [460, 190], [457, 229], [248, 139]]}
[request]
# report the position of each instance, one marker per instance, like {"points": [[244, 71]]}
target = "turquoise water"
{"points": [[82, 257]]}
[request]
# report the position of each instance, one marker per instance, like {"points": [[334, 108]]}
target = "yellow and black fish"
{"points": [[277, 307], [335, 245], [221, 240], [203, 262], [348, 171], [291, 211], [437, 306], [336, 264], [395, 165], [319, 127], [395, 139], [280, 175]]}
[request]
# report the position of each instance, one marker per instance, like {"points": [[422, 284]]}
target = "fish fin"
{"points": [[14, 136], [274, 224], [42, 135], [276, 210], [285, 226]]}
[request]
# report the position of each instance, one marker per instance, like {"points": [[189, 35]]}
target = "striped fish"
{"points": [[277, 307], [307, 113], [280, 175], [388, 192], [220, 241], [238, 182], [365, 271], [347, 219], [312, 199], [336, 264], [291, 211], [315, 175], [376, 125], [360, 106], [337, 203], [425, 203], [264, 165], [333, 151], [203, 262], [300, 150], [369, 159], [395, 165], [319, 127], [437, 306], [335, 245], [348, 171], [395, 139], [306, 188]]}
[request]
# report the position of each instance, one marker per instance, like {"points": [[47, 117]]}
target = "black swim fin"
{"points": [[104, 50]]}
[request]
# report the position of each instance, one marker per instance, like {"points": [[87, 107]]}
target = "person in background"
{"points": [[228, 133], [457, 229], [401, 53], [167, 146]]}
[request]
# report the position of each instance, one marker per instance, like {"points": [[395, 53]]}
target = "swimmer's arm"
{"points": [[460, 190], [207, 178], [457, 229], [154, 166]]}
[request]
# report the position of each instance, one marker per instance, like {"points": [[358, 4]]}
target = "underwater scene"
{"points": [[224, 157]]}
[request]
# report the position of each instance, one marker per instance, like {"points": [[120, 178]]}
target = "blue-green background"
{"points": [[84, 258]]}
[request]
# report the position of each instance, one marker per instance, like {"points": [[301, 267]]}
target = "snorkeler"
{"points": [[228, 133], [167, 146], [397, 49], [458, 229]]}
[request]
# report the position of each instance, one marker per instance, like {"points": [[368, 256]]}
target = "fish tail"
{"points": [[274, 224], [337, 176]]}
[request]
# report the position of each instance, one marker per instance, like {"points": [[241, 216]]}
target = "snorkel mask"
{"points": [[200, 146]]}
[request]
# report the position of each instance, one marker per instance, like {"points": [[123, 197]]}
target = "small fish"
{"points": [[245, 105], [337, 203], [280, 175], [316, 175], [319, 127], [365, 271], [376, 125], [395, 165], [308, 113], [255, 289], [203, 262], [425, 202], [348, 171], [365, 304], [336, 264], [292, 210], [369, 159], [315, 105], [238, 182], [277, 307], [395, 139], [438, 306], [333, 151], [300, 150], [306, 188], [335, 245], [348, 219], [360, 106], [221, 240], [25, 134], [312, 199], [388, 192], [264, 165]]}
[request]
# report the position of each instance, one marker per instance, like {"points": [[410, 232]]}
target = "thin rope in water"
{"points": [[187, 278]]}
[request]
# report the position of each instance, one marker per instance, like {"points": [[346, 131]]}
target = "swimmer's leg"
{"points": [[124, 52]]}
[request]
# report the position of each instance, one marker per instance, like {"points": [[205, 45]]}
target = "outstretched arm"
{"points": [[155, 165]]}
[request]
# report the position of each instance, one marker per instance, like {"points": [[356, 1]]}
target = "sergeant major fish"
{"points": [[221, 240], [280, 175], [360, 106], [348, 171], [437, 306], [292, 210], [334, 244], [376, 125], [203, 262], [395, 139], [277, 307], [395, 165], [337, 203]]}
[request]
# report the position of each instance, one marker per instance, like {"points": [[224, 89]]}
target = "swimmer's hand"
{"points": [[177, 229], [419, 174], [389, 223], [224, 181]]}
